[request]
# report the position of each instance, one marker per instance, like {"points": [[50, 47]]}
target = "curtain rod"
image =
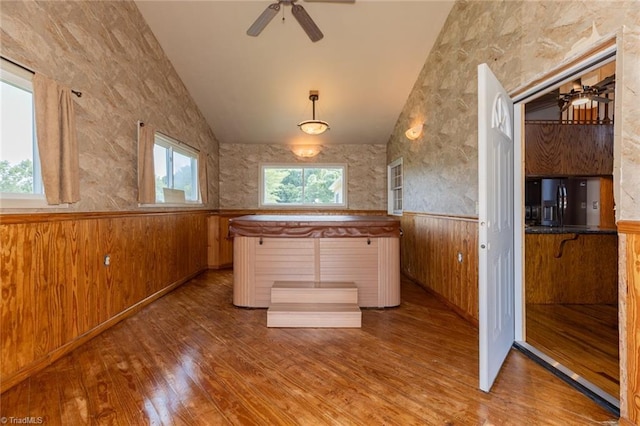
{"points": [[75, 92], [141, 124]]}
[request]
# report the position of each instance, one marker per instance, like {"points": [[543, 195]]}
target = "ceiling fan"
{"points": [[581, 95], [298, 12]]}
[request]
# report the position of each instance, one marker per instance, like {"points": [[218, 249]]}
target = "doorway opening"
{"points": [[568, 319]]}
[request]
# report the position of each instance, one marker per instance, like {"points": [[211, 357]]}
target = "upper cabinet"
{"points": [[568, 149]]}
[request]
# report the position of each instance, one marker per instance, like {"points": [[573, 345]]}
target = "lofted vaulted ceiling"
{"points": [[256, 89]]}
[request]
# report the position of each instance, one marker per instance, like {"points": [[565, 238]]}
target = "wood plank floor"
{"points": [[583, 338], [191, 358]]}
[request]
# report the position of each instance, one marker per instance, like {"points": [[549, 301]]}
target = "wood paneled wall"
{"points": [[429, 255], [220, 246], [630, 329], [57, 291]]}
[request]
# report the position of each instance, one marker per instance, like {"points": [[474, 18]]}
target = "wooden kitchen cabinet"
{"points": [[571, 268], [555, 149]]}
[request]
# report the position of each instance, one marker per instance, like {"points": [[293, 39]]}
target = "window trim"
{"points": [[391, 188], [22, 79], [345, 184], [182, 148], [16, 75]]}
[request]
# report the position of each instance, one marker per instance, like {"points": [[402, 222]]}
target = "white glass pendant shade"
{"points": [[314, 127]]}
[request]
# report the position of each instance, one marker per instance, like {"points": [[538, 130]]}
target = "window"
{"points": [[20, 177], [394, 185], [309, 186], [176, 171]]}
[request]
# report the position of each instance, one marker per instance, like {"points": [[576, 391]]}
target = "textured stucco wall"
{"points": [[107, 51], [240, 169], [519, 41]]}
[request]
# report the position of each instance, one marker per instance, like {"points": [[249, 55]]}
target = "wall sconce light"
{"points": [[414, 132], [306, 151]]}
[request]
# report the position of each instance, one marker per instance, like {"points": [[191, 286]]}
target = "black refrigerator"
{"points": [[564, 202]]}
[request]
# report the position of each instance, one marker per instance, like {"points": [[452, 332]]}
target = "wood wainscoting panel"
{"points": [[631, 327], [220, 245], [213, 242], [431, 247], [64, 276]]}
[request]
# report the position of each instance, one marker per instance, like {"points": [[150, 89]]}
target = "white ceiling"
{"points": [[256, 89]]}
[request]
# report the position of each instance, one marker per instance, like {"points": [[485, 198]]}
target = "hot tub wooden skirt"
{"points": [[372, 263]]}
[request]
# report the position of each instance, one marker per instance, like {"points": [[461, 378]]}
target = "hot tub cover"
{"points": [[314, 226]]}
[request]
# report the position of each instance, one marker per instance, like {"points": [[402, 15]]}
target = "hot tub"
{"points": [[364, 250]]}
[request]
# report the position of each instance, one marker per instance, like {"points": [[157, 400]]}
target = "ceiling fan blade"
{"points": [[600, 99], [606, 81], [264, 19], [306, 22], [566, 106]]}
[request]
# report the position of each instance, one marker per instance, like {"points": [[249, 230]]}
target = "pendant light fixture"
{"points": [[313, 127]]}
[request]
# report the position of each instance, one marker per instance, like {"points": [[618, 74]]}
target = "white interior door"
{"points": [[495, 215]]}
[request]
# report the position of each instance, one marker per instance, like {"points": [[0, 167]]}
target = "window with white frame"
{"points": [[294, 185], [20, 176], [176, 171], [394, 185]]}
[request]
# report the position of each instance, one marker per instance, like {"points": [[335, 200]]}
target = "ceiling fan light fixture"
{"points": [[581, 99], [313, 126]]}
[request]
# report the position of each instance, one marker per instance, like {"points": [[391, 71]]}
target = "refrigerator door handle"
{"points": [[563, 196], [559, 203], [562, 202]]}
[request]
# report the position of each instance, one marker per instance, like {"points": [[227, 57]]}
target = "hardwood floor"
{"points": [[191, 358], [583, 338]]}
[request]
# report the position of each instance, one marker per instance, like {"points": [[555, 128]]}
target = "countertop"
{"points": [[568, 230]]}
